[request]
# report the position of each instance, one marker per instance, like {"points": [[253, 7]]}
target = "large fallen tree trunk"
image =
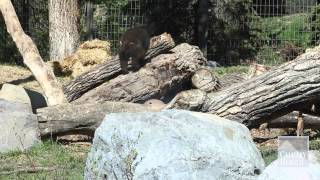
{"points": [[275, 93], [85, 118], [80, 118], [110, 69], [157, 79]]}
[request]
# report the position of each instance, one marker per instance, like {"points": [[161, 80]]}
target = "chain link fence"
{"points": [[239, 31], [33, 16]]}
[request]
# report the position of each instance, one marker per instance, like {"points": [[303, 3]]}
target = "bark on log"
{"points": [[110, 69], [273, 94], [78, 118], [163, 75], [31, 57], [85, 118]]}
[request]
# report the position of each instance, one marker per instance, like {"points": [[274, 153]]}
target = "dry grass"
{"points": [[23, 77]]}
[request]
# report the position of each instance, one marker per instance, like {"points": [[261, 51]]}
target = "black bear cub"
{"points": [[134, 44]]}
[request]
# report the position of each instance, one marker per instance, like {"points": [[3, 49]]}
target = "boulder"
{"points": [[310, 169], [14, 93], [172, 144], [18, 126]]}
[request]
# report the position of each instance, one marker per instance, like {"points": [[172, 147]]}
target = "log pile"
{"points": [[268, 97]]}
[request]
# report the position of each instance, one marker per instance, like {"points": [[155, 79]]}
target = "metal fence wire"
{"points": [[239, 31], [33, 16]]}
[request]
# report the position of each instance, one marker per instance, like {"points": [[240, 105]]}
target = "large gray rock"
{"points": [[309, 170], [172, 144], [14, 93], [18, 126]]}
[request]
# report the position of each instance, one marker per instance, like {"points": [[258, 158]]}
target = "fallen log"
{"points": [[291, 86], [85, 118], [110, 69], [78, 118], [158, 79], [270, 95], [290, 121]]}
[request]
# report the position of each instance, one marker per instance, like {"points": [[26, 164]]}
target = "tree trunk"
{"points": [[64, 30], [80, 118], [31, 57], [161, 78], [110, 69], [291, 86], [85, 118]]}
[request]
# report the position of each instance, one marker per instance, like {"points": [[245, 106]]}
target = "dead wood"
{"points": [[162, 77], [79, 118], [111, 68]]}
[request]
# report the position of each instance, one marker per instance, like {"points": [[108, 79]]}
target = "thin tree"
{"points": [[31, 57]]}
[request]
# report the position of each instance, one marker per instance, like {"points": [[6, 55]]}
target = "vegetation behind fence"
{"points": [[239, 31]]}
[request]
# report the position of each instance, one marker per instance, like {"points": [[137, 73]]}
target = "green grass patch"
{"points": [[268, 155], [231, 69], [315, 144], [67, 162]]}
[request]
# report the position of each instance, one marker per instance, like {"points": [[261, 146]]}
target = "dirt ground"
{"points": [[23, 77]]}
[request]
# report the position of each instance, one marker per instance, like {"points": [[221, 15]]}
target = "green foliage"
{"points": [[315, 144], [277, 32], [292, 28]]}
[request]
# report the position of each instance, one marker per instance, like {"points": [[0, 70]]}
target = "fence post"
{"points": [[202, 28], [89, 20]]}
